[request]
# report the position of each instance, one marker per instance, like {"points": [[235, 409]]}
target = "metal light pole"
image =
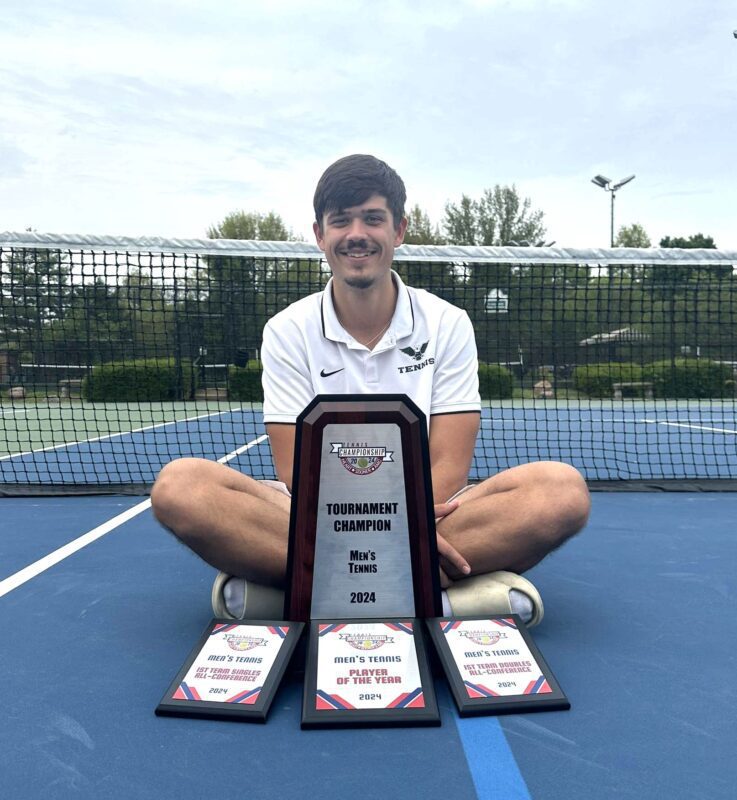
{"points": [[608, 186]]}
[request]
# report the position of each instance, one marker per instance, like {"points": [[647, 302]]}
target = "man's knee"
{"points": [[565, 496], [175, 490]]}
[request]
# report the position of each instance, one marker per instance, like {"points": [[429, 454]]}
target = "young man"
{"points": [[358, 336]]}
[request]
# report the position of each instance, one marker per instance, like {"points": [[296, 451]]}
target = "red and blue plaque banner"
{"points": [[233, 664], [368, 665], [233, 671], [493, 666], [368, 672]]}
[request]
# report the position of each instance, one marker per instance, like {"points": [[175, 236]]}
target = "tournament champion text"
{"points": [[363, 511]]}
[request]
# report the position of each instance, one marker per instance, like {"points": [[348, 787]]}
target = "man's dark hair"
{"points": [[350, 181]]}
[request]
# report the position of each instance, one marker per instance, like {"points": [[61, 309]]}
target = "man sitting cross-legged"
{"points": [[358, 336]]}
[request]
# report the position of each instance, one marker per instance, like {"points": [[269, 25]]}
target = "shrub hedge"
{"points": [[595, 380], [244, 383], [149, 380], [695, 378], [141, 381], [495, 382], [690, 377]]}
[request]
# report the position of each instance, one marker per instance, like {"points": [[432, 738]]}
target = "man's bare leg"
{"points": [[509, 522], [233, 522], [512, 520]]}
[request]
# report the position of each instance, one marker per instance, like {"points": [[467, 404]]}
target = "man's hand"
{"points": [[450, 559]]}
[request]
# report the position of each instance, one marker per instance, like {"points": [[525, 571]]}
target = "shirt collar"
{"points": [[402, 323]]}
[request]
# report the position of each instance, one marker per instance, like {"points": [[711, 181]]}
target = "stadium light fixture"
{"points": [[621, 183], [609, 186]]}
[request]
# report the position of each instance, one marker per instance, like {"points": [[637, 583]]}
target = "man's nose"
{"points": [[357, 229]]}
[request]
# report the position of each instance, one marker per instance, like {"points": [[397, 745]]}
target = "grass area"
{"points": [[25, 425]]}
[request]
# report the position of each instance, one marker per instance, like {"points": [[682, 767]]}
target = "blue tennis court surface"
{"points": [[641, 620], [666, 439]]}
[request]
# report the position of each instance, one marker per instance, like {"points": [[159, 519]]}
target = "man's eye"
{"points": [[339, 221], [374, 219]]}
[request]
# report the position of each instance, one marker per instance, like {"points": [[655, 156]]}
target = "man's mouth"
{"points": [[356, 253]]}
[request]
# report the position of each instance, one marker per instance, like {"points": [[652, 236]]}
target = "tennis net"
{"points": [[117, 355]]}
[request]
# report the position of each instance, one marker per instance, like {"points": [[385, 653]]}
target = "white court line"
{"points": [[119, 433], [685, 425], [236, 453], [32, 570], [14, 412], [19, 578]]}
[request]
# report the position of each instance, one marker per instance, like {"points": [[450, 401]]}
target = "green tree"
{"points": [[689, 274], [696, 241], [147, 314], [283, 281], [243, 292], [687, 306], [460, 222], [420, 230], [505, 216], [436, 277], [33, 294], [252, 225], [498, 217], [231, 318], [92, 329], [632, 236]]}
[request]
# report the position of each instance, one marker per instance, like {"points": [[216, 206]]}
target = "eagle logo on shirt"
{"points": [[416, 355]]}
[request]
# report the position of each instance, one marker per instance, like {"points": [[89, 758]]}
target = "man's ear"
{"points": [[400, 231], [318, 235]]}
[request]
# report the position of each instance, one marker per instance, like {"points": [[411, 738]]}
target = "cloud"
{"points": [[165, 116], [14, 162]]}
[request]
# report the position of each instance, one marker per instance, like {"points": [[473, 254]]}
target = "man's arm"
{"points": [[281, 439], [452, 442]]}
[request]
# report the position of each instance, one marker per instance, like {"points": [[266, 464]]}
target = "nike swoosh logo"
{"points": [[324, 374]]}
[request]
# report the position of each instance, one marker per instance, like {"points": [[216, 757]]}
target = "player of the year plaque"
{"points": [[368, 672]]}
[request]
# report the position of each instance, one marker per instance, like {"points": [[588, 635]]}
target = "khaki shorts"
{"points": [[460, 492], [280, 486]]}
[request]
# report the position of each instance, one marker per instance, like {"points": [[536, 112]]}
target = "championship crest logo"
{"points": [[360, 459], [486, 638], [241, 643], [366, 641]]}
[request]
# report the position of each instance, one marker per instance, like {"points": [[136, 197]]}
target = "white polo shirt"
{"points": [[428, 353]]}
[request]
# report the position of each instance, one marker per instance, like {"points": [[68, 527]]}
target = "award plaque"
{"points": [[494, 667], [362, 540], [368, 672], [233, 671]]}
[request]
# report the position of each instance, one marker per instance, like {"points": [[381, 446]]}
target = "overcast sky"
{"points": [[160, 117]]}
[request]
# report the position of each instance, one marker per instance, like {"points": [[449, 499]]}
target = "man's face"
{"points": [[359, 242]]}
